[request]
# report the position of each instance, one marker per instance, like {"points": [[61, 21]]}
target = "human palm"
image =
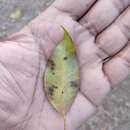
{"points": [[102, 51]]}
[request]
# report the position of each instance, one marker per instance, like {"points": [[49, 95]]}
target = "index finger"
{"points": [[72, 8]]}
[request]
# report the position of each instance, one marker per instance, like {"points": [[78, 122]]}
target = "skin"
{"points": [[101, 32]]}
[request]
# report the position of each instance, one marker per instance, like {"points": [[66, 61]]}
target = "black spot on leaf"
{"points": [[51, 90], [55, 87], [74, 83], [51, 64], [65, 58], [53, 73]]}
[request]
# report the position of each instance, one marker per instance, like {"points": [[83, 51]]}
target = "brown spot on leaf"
{"points": [[54, 86], [51, 64], [53, 73], [65, 58], [74, 83], [51, 90], [52, 68]]}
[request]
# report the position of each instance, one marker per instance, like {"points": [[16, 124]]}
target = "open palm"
{"points": [[101, 36]]}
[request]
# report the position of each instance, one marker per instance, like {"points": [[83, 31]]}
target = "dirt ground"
{"points": [[114, 114]]}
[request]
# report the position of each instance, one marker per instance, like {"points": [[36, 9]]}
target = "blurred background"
{"points": [[114, 114]]}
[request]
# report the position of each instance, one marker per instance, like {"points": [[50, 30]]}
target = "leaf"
{"points": [[16, 14], [62, 75]]}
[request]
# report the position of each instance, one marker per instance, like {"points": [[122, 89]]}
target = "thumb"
{"points": [[47, 35]]}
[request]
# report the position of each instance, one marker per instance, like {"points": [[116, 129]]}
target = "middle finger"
{"points": [[102, 14]]}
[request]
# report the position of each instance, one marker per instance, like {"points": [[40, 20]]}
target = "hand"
{"points": [[101, 32]]}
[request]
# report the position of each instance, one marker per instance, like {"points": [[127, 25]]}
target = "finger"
{"points": [[47, 36], [70, 8], [117, 33], [73, 8], [117, 69], [103, 14]]}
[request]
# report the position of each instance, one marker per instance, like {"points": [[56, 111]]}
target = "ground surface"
{"points": [[115, 112]]}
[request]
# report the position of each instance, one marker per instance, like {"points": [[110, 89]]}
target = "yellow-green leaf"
{"points": [[16, 14], [62, 75]]}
